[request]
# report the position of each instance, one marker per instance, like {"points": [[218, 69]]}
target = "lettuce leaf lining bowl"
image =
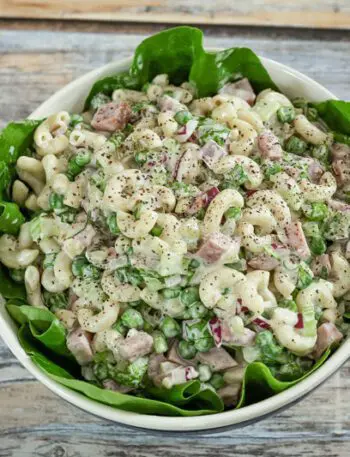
{"points": [[72, 98]]}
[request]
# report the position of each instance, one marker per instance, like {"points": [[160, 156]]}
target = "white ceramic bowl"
{"points": [[71, 98]]}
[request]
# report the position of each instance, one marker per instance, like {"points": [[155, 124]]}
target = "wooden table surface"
{"points": [[36, 59]]}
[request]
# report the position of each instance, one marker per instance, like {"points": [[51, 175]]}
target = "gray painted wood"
{"points": [[33, 421]]}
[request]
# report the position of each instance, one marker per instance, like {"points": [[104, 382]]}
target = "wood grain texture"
{"points": [[297, 13], [34, 421]]}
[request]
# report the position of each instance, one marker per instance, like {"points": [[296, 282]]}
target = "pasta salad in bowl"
{"points": [[180, 245]]}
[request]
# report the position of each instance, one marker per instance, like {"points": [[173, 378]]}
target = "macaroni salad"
{"points": [[178, 238]]}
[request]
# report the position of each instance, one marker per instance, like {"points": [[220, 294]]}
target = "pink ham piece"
{"points": [[78, 342], [327, 334], [211, 152], [217, 358], [269, 146], [215, 246], [202, 200], [241, 89], [263, 262], [321, 264], [109, 384], [296, 239], [135, 345], [315, 171], [229, 394], [340, 151], [111, 117], [341, 170]]}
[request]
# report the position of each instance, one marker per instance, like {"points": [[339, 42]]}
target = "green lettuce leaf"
{"points": [[10, 288], [259, 383], [15, 139], [179, 52], [43, 325], [336, 114]]}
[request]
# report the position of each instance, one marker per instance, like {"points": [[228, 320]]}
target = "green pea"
{"points": [[140, 158], [186, 350], [233, 213], [117, 139], [17, 275], [296, 145], [157, 230], [170, 327], [159, 342], [73, 169], [194, 264], [204, 344], [286, 114], [83, 158], [182, 117], [197, 310], [131, 318], [171, 293], [316, 211], [272, 169], [56, 201], [318, 245], [321, 153], [217, 381], [204, 372], [112, 224], [189, 295]]}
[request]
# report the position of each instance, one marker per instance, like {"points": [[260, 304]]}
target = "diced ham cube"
{"points": [[217, 358], [135, 345], [321, 264], [215, 247], [327, 334], [269, 145], [109, 384], [340, 151], [341, 170], [211, 152], [229, 394], [263, 262], [78, 342], [111, 117], [315, 171], [241, 89], [296, 239], [202, 200]]}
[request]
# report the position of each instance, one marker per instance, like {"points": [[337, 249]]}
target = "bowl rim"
{"points": [[167, 423]]}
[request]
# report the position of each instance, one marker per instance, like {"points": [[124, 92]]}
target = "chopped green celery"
{"points": [[317, 245], [134, 373], [210, 130], [99, 179], [309, 320], [82, 268], [271, 252], [153, 284], [233, 213], [35, 228], [156, 230], [56, 202], [112, 224], [311, 229], [234, 178], [296, 145], [138, 210], [49, 260], [305, 276], [55, 301], [182, 189], [286, 114], [271, 169], [289, 304], [17, 274], [316, 211], [190, 295]]}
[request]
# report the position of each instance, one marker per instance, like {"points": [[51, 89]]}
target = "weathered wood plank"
{"points": [[300, 13]]}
